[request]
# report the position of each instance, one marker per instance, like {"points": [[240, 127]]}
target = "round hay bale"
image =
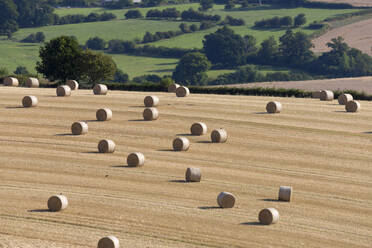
{"points": [[181, 144], [316, 94], [344, 98], [106, 146], [150, 114], [57, 203], [326, 95], [104, 114], [226, 200], [193, 174], [63, 90], [151, 101], [11, 81], [182, 91], [29, 101], [100, 89], [273, 107], [352, 106], [198, 128], [219, 136], [135, 159], [285, 193], [173, 87], [32, 83], [268, 216], [108, 242], [73, 84], [78, 128]]}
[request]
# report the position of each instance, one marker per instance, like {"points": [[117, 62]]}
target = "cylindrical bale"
{"points": [[268, 216], [135, 159], [11, 81], [316, 94], [104, 114], [226, 200], [106, 146], [344, 98], [32, 83], [219, 136], [100, 89], [181, 144], [29, 101], [151, 101], [326, 95], [73, 84], [193, 174], [173, 87], [150, 114], [182, 91], [63, 90], [285, 193], [57, 203], [352, 106], [78, 128], [198, 128], [108, 242], [274, 107]]}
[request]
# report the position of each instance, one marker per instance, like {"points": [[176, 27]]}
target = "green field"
{"points": [[14, 53]]}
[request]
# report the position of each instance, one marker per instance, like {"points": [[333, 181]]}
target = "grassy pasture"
{"points": [[316, 147]]}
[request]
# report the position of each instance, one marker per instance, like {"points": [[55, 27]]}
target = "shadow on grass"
{"points": [[340, 111], [261, 113], [15, 107], [185, 134], [177, 181], [269, 200], [90, 121], [122, 166], [166, 150], [138, 106], [93, 152], [251, 223], [65, 134], [205, 142], [137, 120]]}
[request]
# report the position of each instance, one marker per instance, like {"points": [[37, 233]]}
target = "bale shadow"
{"points": [[93, 152], [137, 106], [208, 207], [251, 223], [261, 113], [270, 200], [137, 120], [370, 132], [39, 210], [14, 107], [90, 120], [177, 181], [166, 150], [185, 134], [340, 111], [122, 166], [65, 134], [205, 142]]}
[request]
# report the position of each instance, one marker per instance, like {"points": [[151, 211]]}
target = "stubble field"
{"points": [[317, 148]]}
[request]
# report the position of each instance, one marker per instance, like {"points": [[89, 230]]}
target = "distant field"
{"points": [[361, 84], [316, 147]]}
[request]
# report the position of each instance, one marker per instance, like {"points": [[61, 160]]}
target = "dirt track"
{"points": [[358, 84], [323, 152], [357, 35], [363, 3]]}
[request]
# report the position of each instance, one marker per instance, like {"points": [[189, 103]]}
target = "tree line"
{"points": [[279, 22]]}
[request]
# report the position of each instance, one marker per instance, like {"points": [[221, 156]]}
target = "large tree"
{"points": [[97, 66], [8, 17], [191, 69], [60, 59], [34, 13], [205, 5], [225, 47]]}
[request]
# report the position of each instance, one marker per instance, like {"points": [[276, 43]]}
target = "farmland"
{"points": [[317, 148], [15, 53]]}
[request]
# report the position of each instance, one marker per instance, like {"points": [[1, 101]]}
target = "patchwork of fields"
{"points": [[316, 147]]}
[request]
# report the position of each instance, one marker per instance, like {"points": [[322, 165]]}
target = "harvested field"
{"points": [[316, 147], [357, 35], [359, 3], [358, 84]]}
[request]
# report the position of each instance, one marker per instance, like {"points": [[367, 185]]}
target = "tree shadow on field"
{"points": [[208, 207], [39, 210], [174, 63], [269, 200], [251, 223]]}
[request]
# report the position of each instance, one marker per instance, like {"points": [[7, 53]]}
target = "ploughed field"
{"points": [[316, 147]]}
